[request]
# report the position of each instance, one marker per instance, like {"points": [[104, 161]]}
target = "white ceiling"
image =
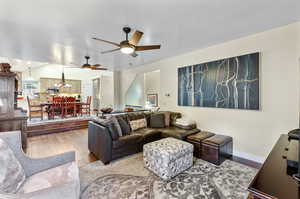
{"points": [[60, 31], [22, 65]]}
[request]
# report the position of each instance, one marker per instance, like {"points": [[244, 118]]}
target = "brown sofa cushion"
{"points": [[123, 116], [127, 140], [148, 116], [167, 117], [157, 120], [135, 116], [147, 131], [177, 132]]}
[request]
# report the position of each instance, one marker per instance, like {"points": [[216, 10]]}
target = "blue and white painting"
{"points": [[227, 83]]}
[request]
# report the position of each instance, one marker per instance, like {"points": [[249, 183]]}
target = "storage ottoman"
{"points": [[196, 140], [217, 148], [168, 157]]}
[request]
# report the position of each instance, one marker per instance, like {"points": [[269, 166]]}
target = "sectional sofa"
{"points": [[103, 143]]}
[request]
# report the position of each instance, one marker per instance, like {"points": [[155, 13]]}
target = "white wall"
{"points": [[135, 94], [86, 89], [152, 82], [106, 91], [254, 132]]}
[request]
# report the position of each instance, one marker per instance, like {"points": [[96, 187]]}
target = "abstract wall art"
{"points": [[227, 83]]}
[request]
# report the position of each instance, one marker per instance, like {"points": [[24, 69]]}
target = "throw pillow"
{"points": [[119, 130], [124, 126], [12, 174], [138, 124], [148, 116], [157, 120]]}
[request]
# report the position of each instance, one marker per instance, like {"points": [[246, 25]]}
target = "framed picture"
{"points": [[226, 83], [152, 99]]}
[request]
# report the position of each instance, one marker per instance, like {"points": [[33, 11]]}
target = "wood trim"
{"points": [[56, 127], [247, 162]]}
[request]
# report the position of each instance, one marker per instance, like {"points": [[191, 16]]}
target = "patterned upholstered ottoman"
{"points": [[168, 157]]}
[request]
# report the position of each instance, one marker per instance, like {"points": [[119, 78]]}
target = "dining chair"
{"points": [[86, 107], [34, 108], [56, 108], [69, 106]]}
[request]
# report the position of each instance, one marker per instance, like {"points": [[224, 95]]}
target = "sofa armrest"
{"points": [[100, 142], [34, 165]]}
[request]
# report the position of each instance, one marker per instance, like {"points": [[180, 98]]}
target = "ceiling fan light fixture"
{"points": [[127, 49], [86, 65]]}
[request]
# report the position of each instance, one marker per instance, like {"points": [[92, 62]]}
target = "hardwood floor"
{"points": [[56, 143], [77, 140], [56, 126]]}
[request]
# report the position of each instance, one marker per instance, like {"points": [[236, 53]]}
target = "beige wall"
{"points": [[254, 132]]}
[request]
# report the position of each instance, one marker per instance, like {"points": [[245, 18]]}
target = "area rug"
{"points": [[127, 178]]}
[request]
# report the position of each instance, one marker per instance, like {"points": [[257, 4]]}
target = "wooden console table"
{"points": [[272, 180], [14, 122], [11, 117]]}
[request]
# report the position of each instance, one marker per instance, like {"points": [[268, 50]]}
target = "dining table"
{"points": [[77, 106]]}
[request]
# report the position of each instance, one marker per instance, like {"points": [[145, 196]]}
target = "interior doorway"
{"points": [[96, 93]]}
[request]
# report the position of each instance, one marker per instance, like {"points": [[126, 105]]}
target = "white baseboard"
{"points": [[249, 156]]}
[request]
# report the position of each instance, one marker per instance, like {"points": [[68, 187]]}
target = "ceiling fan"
{"points": [[129, 46], [89, 66]]}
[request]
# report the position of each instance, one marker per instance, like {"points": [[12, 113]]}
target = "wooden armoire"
{"points": [[11, 117]]}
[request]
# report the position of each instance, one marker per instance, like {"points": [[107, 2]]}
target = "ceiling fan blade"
{"points": [[99, 68], [136, 37], [134, 54], [96, 65], [151, 47], [110, 42], [109, 51]]}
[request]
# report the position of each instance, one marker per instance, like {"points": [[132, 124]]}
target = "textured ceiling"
{"points": [[60, 31]]}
